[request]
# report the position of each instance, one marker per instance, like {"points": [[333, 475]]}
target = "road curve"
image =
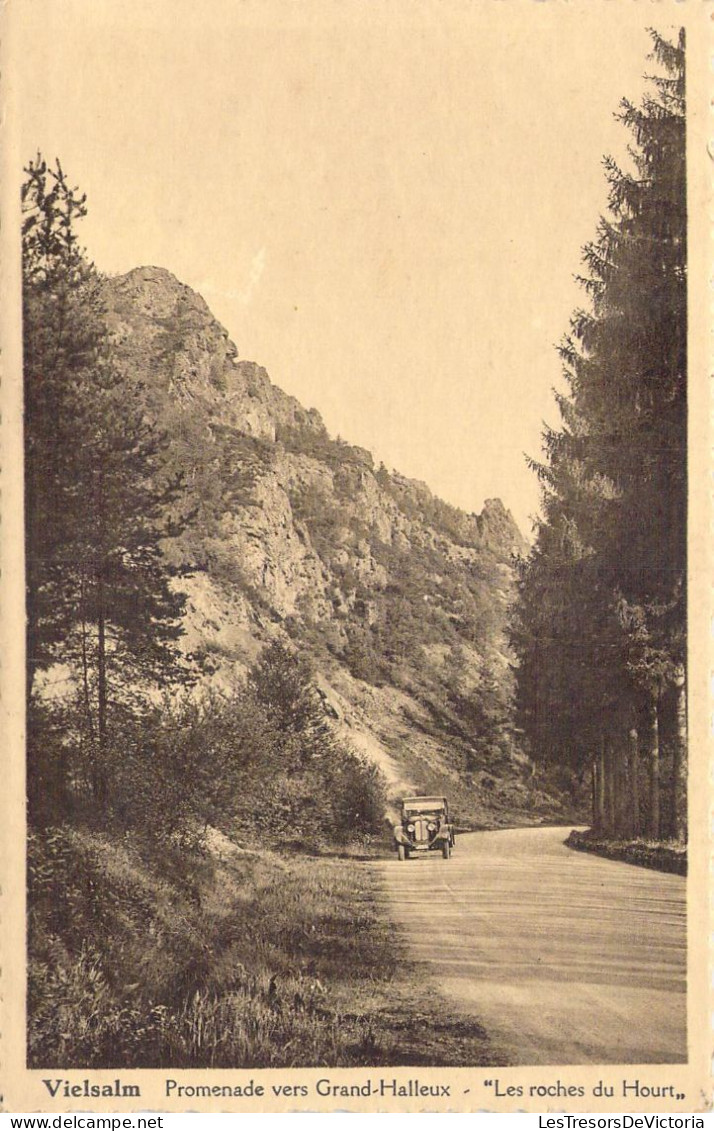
{"points": [[563, 957]]}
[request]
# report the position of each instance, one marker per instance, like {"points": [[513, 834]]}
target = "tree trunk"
{"points": [[33, 632], [85, 661], [100, 502], [622, 810], [605, 792], [635, 821], [653, 816], [91, 758], [33, 545], [678, 809], [101, 663], [610, 790], [601, 791], [100, 767], [31, 642]]}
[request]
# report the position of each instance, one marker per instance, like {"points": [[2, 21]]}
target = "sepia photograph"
{"points": [[356, 495]]}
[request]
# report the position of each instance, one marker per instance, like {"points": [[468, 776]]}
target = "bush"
{"points": [[263, 763], [190, 765]]}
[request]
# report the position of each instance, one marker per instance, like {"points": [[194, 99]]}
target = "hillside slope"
{"points": [[399, 599]]}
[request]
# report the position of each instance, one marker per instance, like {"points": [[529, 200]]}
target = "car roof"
{"points": [[423, 800]]}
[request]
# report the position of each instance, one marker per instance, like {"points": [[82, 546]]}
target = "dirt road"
{"points": [[564, 958]]}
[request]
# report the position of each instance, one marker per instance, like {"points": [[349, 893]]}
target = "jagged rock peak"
{"points": [[169, 330], [497, 524], [166, 330]]}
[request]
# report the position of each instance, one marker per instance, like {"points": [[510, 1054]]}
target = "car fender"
{"points": [[444, 833]]}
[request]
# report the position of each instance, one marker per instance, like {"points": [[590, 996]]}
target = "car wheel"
{"points": [[446, 850], [401, 852]]}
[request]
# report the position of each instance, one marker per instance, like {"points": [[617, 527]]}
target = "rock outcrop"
{"points": [[399, 598]]}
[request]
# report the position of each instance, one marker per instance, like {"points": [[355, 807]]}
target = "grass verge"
{"points": [[248, 959], [662, 856]]}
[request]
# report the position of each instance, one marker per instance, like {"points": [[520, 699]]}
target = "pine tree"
{"points": [[98, 592], [283, 682], [60, 342]]}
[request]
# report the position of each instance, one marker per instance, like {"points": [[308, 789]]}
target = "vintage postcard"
{"points": [[356, 556]]}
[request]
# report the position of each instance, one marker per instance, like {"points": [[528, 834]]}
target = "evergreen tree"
{"points": [[601, 624], [98, 593], [282, 682]]}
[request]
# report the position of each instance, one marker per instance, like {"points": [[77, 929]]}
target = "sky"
{"points": [[384, 204]]}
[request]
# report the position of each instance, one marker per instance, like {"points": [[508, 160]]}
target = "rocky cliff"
{"points": [[399, 598]]}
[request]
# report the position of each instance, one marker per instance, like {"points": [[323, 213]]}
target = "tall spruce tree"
{"points": [[601, 624]]}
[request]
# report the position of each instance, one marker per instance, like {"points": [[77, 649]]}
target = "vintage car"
{"points": [[424, 827]]}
